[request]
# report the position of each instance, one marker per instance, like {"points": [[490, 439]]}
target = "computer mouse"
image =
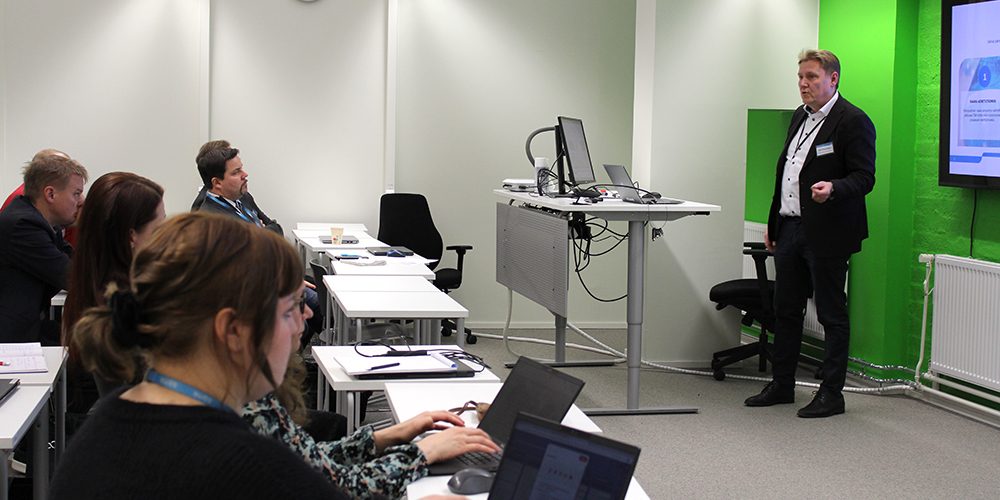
{"points": [[651, 195], [471, 481]]}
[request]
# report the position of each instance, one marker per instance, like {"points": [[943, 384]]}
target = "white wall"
{"points": [[474, 78], [714, 60], [300, 89], [114, 83]]}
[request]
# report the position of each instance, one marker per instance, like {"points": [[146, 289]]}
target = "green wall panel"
{"points": [[766, 130]]}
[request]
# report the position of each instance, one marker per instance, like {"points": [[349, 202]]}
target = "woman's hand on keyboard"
{"points": [[455, 441]]}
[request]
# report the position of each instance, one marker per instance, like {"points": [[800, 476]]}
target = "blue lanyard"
{"points": [[238, 212], [185, 389]]}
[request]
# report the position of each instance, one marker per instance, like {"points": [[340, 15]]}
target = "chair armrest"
{"points": [[754, 244], [460, 250]]}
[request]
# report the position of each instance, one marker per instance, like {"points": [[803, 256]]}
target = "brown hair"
{"points": [[118, 203], [194, 266], [50, 170], [826, 59], [210, 146]]}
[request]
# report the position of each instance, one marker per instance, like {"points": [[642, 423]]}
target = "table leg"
{"points": [[352, 416], [636, 272], [61, 414], [40, 474], [361, 329], [320, 393], [4, 474]]}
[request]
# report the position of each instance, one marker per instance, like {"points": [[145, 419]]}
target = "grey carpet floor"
{"points": [[883, 447]]}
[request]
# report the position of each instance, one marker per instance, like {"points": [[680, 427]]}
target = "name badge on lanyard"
{"points": [[824, 149]]}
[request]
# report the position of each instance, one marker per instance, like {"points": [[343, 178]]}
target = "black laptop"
{"points": [[620, 178], [531, 387], [544, 459]]}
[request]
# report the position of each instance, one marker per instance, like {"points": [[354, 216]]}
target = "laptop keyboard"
{"points": [[480, 459]]}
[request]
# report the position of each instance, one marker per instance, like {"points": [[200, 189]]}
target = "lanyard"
{"points": [[184, 389], [802, 139], [239, 213]]}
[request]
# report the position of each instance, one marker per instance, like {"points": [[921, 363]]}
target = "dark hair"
{"points": [[50, 170], [210, 146], [118, 203], [213, 164], [194, 266]]}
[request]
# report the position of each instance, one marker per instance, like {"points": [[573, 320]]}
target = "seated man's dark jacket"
{"points": [[202, 202], [34, 261]]}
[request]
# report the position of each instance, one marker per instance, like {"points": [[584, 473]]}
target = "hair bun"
{"points": [[125, 317]]}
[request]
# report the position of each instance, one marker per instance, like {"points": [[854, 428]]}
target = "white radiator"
{"points": [[965, 332], [753, 231]]}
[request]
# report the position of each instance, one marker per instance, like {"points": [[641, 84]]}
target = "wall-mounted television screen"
{"points": [[970, 94]]}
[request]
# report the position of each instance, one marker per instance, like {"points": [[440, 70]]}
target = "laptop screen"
{"points": [[533, 388], [545, 460], [620, 178]]}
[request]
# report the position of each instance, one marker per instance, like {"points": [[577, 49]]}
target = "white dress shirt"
{"points": [[798, 148]]}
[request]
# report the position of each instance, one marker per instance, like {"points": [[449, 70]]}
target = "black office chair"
{"points": [[405, 220], [318, 270], [753, 296]]}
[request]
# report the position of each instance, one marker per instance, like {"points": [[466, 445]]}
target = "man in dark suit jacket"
{"points": [[817, 221], [225, 188], [34, 258]]}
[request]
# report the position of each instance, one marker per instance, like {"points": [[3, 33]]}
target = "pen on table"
{"points": [[379, 367]]}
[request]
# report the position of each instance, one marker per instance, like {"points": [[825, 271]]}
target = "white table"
{"points": [[332, 376], [392, 267], [26, 405], [55, 381], [325, 226], [308, 241], [420, 306], [351, 283], [408, 400], [636, 215]]}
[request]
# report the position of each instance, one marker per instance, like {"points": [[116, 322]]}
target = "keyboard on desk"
{"points": [[488, 461]]}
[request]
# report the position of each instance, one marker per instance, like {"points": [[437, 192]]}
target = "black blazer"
{"points": [[837, 227], [34, 260], [253, 215]]}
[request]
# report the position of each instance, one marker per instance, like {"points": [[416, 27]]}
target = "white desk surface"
{"points": [[324, 227], [18, 412], [58, 300], [313, 243], [399, 305], [342, 283], [55, 356], [390, 268], [367, 256], [612, 206], [409, 400], [438, 485], [339, 380]]}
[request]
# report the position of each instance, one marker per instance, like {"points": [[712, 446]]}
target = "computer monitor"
{"points": [[574, 147]]}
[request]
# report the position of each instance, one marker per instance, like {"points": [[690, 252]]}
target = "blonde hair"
{"points": [[50, 170], [826, 59]]}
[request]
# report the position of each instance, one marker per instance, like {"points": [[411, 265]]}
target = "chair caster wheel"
{"points": [[719, 375], [471, 339], [446, 332]]}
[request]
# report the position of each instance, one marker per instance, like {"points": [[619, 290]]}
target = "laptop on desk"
{"points": [[620, 178], [531, 387], [544, 460]]}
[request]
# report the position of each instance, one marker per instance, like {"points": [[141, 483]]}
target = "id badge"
{"points": [[824, 149]]}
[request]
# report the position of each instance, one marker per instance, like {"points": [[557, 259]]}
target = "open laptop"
{"points": [[531, 387], [620, 178], [545, 460]]}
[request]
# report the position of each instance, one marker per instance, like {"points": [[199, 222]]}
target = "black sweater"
{"points": [[134, 450]]}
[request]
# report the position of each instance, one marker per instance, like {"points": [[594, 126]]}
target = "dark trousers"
{"points": [[798, 272]]}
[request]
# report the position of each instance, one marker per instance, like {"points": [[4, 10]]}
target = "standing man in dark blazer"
{"points": [[34, 258], [817, 221]]}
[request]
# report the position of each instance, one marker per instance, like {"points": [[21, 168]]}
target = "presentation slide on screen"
{"points": [[975, 89]]}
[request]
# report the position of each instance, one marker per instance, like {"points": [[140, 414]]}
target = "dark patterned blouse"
{"points": [[351, 463]]}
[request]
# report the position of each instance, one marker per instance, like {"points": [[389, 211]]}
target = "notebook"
{"points": [[544, 460], [24, 357], [531, 387], [402, 251], [620, 178], [403, 367]]}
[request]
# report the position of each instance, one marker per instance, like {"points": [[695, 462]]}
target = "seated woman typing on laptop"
{"points": [[367, 463], [215, 338]]}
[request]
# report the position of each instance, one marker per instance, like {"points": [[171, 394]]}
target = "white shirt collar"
{"points": [[825, 110]]}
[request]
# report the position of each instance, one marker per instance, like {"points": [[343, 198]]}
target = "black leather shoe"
{"points": [[773, 394], [826, 403]]}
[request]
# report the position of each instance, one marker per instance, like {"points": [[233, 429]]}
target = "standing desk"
{"points": [[637, 216]]}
